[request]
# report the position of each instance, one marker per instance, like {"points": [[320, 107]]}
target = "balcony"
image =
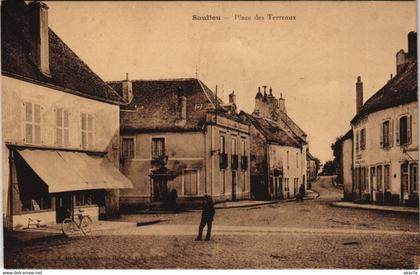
{"points": [[223, 160], [161, 160], [235, 162], [244, 162]]}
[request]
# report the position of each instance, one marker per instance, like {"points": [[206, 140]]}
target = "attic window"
{"points": [[198, 106]]}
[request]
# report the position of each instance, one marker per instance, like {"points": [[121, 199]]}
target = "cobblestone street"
{"points": [[312, 234]]}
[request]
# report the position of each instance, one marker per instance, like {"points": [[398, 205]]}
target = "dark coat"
{"points": [[208, 210]]}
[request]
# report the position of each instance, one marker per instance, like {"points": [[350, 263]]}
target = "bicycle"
{"points": [[70, 226]]}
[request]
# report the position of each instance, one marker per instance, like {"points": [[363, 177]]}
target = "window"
{"points": [[404, 176], [127, 148], [222, 145], [87, 131], [404, 130], [387, 177], [357, 142], [379, 178], [372, 177], [85, 198], [414, 180], [363, 139], [233, 151], [243, 148], [386, 134], [297, 160], [190, 178], [32, 123], [287, 159], [62, 127], [158, 147]]}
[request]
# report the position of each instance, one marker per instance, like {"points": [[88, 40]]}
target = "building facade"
{"points": [[385, 139], [60, 126], [176, 135], [278, 149], [343, 153], [312, 169]]}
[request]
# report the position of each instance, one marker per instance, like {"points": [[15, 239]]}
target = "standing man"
{"points": [[206, 218], [301, 192]]}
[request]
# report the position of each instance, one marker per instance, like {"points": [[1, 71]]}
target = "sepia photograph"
{"points": [[219, 135]]}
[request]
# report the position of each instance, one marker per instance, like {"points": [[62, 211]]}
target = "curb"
{"points": [[362, 207]]}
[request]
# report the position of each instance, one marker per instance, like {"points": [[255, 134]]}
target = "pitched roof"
{"points": [[401, 89], [155, 104], [287, 121], [68, 71], [272, 130]]}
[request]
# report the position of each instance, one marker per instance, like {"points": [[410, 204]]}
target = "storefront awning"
{"points": [[66, 171]]}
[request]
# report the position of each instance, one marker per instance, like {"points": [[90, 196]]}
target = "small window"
{"points": [[32, 123], [297, 160], [190, 178], [158, 147], [87, 131], [386, 134], [127, 148]]}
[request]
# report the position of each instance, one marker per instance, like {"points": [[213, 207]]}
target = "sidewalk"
{"points": [[386, 208], [54, 231]]}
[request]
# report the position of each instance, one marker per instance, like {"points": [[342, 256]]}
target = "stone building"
{"points": [[311, 169], [385, 139], [60, 125], [343, 153], [176, 134], [278, 149]]}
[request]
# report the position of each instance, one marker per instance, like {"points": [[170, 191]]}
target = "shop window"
{"points": [[87, 131], [127, 148], [62, 127], [32, 123], [387, 177], [379, 178], [84, 199], [158, 147], [190, 179], [414, 181]]}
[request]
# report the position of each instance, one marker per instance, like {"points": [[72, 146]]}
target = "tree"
{"points": [[329, 168]]}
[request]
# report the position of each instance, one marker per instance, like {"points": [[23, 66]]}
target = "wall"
{"points": [[106, 124], [374, 155], [292, 169]]}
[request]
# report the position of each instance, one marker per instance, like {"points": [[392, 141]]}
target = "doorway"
{"points": [[233, 185], [63, 207]]}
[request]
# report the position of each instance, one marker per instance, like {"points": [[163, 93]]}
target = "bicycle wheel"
{"points": [[86, 225], [68, 227]]}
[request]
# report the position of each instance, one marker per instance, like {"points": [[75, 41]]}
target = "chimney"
{"points": [[412, 45], [127, 89], [232, 98], [265, 90], [282, 106], [359, 94], [40, 48]]}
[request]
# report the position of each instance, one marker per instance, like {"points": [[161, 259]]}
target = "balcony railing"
{"points": [[244, 162], [235, 162], [223, 160]]}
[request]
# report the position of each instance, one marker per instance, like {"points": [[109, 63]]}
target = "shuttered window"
{"points": [[62, 127], [405, 130], [158, 147], [87, 129], [32, 123], [386, 134], [190, 182], [128, 148]]}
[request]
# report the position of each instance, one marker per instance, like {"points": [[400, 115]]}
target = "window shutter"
{"points": [[409, 129], [397, 131], [391, 136], [381, 136], [28, 111], [37, 124]]}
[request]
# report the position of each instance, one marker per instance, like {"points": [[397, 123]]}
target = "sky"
{"points": [[313, 61]]}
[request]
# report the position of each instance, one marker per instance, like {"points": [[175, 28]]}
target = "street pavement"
{"points": [[312, 234]]}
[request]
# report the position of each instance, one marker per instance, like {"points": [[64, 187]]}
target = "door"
{"points": [[160, 189], [233, 185], [63, 207]]}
